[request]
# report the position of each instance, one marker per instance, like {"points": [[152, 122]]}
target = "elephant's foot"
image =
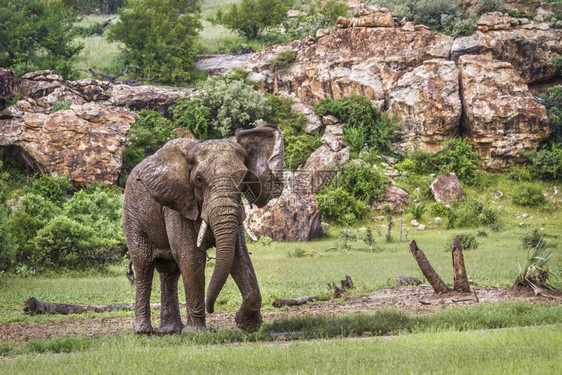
{"points": [[193, 328], [248, 322], [170, 328], [143, 327]]}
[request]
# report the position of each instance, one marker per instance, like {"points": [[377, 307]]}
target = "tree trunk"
{"points": [[438, 285], [461, 280]]}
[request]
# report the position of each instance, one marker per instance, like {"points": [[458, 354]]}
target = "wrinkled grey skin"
{"points": [[166, 198]]}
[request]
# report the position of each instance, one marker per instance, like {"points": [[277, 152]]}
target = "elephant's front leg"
{"points": [[144, 271], [191, 261], [248, 318]]}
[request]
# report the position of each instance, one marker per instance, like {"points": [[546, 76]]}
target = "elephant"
{"points": [[187, 198]]}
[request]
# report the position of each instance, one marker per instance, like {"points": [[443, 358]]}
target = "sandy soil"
{"points": [[412, 299]]}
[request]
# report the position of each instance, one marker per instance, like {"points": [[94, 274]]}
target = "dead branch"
{"points": [[106, 23], [462, 300], [294, 301], [406, 280], [424, 302], [35, 307], [113, 79], [461, 280], [436, 282]]}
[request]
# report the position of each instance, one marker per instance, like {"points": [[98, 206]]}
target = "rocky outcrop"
{"points": [[501, 117], [427, 103], [294, 216], [447, 189], [83, 142], [395, 197], [85, 139]]}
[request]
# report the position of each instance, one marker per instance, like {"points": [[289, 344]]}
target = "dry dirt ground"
{"points": [[412, 299]]}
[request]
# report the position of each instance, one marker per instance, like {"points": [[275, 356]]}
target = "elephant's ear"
{"points": [[264, 146], [166, 177]]}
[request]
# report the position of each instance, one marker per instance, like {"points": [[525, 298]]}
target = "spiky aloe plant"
{"points": [[534, 271]]}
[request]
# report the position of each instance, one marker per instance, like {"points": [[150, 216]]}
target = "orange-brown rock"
{"points": [[447, 189], [501, 116], [395, 197], [294, 216], [427, 103], [84, 142]]}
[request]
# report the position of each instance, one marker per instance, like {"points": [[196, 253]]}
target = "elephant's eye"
{"points": [[199, 179]]}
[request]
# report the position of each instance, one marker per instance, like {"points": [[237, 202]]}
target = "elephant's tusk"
{"points": [[202, 232], [250, 232]]}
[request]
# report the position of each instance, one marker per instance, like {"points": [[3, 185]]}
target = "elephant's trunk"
{"points": [[224, 221]]}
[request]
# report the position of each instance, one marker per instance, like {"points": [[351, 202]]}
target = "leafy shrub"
{"points": [[430, 12], [60, 106], [438, 209], [417, 210], [534, 271], [335, 204], [265, 241], [364, 122], [94, 29], [229, 103], [53, 189], [159, 37], [346, 237], [251, 17], [487, 6], [37, 34], [301, 27], [284, 59], [468, 242], [97, 6], [419, 162], [472, 213], [459, 25], [546, 163], [520, 174], [331, 9], [363, 182], [528, 195], [458, 156], [553, 103], [534, 239], [146, 136], [299, 145]]}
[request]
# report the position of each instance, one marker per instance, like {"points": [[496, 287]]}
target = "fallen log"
{"points": [[460, 279], [294, 301], [35, 307], [436, 282]]}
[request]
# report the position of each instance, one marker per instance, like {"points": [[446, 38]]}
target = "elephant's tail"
{"points": [[130, 273]]}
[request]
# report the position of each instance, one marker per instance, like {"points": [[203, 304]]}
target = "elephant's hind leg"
{"points": [[170, 318]]}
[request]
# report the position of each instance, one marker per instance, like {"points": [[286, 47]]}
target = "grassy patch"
{"points": [[538, 350]]}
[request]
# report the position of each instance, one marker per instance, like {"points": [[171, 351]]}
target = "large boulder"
{"points": [[156, 98], [501, 117], [447, 189], [395, 197], [427, 103], [294, 216], [529, 48], [84, 142]]}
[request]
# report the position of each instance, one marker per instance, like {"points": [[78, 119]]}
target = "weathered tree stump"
{"points": [[438, 285], [294, 301], [33, 306], [461, 280]]}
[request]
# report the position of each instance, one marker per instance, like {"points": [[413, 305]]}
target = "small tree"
{"points": [[38, 34], [159, 37], [252, 16]]}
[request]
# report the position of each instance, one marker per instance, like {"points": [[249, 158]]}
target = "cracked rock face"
{"points": [[501, 116], [83, 142]]}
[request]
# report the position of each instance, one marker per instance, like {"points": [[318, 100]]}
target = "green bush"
{"points": [[417, 210], [534, 239], [458, 156], [520, 174], [472, 213], [251, 17], [283, 60], [231, 103], [146, 136], [487, 6], [438, 209], [468, 242], [60, 106], [430, 12], [364, 183], [553, 103], [546, 163], [159, 37], [364, 122], [53, 189], [528, 195], [37, 35], [335, 204], [420, 163]]}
